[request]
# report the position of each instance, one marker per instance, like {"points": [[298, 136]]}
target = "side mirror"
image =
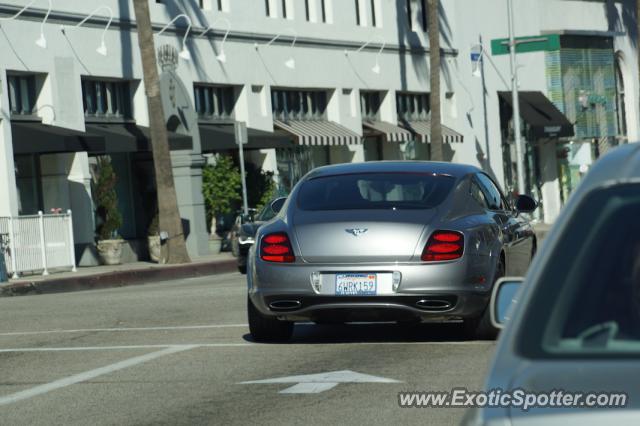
{"points": [[525, 204], [276, 205], [503, 300]]}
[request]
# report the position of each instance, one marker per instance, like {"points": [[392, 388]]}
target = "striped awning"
{"points": [[423, 130], [391, 132], [318, 132]]}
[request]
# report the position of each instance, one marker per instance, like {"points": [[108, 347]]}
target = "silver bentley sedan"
{"points": [[386, 241]]}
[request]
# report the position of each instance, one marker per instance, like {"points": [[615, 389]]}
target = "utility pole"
{"points": [[516, 102]]}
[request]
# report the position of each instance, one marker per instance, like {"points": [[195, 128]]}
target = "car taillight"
{"points": [[443, 245], [276, 248]]}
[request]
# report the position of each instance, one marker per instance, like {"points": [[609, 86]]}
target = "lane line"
{"points": [[88, 375], [90, 330], [126, 347], [234, 345]]}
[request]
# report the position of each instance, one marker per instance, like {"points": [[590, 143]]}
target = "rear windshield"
{"points": [[374, 191]]}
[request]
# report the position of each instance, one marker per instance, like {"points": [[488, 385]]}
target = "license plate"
{"points": [[356, 284]]}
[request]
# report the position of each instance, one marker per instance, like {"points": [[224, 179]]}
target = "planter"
{"points": [[215, 244], [110, 251], [154, 247]]}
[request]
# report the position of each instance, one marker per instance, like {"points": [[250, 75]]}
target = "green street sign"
{"points": [[540, 43]]}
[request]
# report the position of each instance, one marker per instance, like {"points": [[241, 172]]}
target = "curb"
{"points": [[118, 278]]}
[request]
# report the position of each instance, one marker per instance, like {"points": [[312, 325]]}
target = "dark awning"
{"points": [[221, 137], [544, 120], [129, 137], [32, 137]]}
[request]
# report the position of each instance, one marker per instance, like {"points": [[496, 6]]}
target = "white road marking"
{"points": [[127, 347], [109, 330], [316, 383], [310, 387], [88, 375], [232, 345]]}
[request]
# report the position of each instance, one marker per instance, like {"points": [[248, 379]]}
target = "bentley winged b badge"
{"points": [[356, 232]]}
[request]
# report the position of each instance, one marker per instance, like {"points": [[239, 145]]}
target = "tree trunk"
{"points": [[433, 28], [174, 249]]}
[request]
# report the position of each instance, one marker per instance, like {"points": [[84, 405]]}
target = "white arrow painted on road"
{"points": [[316, 383]]}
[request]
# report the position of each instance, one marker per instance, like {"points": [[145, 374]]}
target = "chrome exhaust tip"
{"points": [[434, 305], [285, 305]]}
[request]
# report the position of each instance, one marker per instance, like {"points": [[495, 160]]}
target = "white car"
{"points": [[574, 323]]}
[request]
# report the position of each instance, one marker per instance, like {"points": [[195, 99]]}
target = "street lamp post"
{"points": [[241, 139], [516, 102]]}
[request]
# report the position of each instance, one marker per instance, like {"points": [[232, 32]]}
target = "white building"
{"points": [[316, 82]]}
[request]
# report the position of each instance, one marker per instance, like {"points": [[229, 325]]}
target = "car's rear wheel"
{"points": [[481, 327], [267, 329]]}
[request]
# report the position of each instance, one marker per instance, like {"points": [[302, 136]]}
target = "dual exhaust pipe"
{"points": [[434, 305]]}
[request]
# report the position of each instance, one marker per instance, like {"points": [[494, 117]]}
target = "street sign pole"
{"points": [[241, 139], [516, 103]]}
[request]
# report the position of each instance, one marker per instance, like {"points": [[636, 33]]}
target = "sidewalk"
{"points": [[98, 277]]}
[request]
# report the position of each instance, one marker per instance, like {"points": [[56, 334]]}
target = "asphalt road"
{"points": [[178, 352]]}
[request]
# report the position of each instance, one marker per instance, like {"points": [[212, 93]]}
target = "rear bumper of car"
{"points": [[434, 307], [437, 292]]}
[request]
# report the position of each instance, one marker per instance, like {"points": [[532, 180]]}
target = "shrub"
{"points": [[221, 187], [109, 217]]}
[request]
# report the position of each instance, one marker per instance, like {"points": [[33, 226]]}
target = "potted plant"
{"points": [[109, 245], [221, 191], [153, 238]]}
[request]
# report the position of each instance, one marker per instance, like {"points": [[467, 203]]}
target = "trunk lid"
{"points": [[360, 236]]}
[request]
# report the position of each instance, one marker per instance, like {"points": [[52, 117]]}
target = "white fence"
{"points": [[38, 243]]}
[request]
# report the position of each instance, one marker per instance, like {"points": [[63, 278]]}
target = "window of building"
{"points": [[415, 7], [22, 94], [106, 99], [307, 11], [214, 102], [284, 9], [370, 105], [373, 14], [621, 111], [323, 10], [412, 106], [358, 19], [298, 105]]}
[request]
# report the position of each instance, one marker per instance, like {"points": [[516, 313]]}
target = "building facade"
{"points": [[316, 82]]}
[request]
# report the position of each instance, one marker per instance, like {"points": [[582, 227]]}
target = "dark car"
{"points": [[243, 233]]}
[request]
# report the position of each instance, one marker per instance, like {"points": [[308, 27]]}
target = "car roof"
{"points": [[453, 169]]}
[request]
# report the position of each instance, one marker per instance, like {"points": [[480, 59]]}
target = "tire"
{"points": [[481, 327], [267, 329]]}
